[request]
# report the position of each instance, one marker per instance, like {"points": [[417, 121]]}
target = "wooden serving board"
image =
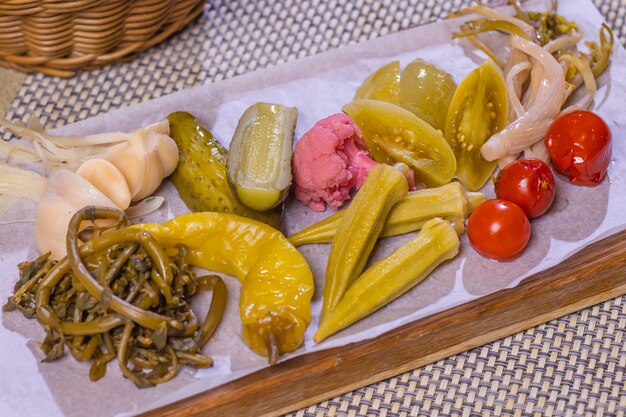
{"points": [[593, 275]]}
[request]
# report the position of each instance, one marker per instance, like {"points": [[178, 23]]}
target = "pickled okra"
{"points": [[392, 276], [259, 156], [450, 202], [359, 229], [200, 177]]}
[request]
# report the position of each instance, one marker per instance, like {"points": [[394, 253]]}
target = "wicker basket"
{"points": [[58, 37]]}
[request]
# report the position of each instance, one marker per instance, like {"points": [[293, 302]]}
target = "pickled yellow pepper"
{"points": [[277, 283], [392, 276], [359, 229]]}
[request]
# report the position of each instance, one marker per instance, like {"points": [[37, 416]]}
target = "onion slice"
{"points": [[21, 183], [512, 87], [145, 206], [543, 108], [583, 68]]}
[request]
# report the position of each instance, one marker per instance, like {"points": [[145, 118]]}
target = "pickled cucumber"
{"points": [[200, 176], [259, 157]]}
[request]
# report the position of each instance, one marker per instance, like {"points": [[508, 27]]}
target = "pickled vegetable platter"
{"points": [[319, 87]]}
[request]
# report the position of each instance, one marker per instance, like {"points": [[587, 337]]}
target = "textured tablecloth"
{"points": [[575, 365]]}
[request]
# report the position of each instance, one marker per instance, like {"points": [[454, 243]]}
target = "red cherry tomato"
{"points": [[498, 229], [529, 183], [579, 144]]}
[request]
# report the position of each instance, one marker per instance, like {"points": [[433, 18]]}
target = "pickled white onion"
{"points": [[542, 109]]}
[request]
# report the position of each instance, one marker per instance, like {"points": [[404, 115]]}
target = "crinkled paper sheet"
{"points": [[318, 86]]}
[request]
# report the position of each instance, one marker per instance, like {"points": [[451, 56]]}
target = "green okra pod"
{"points": [[359, 229], [450, 202], [392, 276]]}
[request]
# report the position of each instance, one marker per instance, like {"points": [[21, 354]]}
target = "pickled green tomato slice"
{"points": [[426, 91], [478, 110], [382, 84], [394, 134]]}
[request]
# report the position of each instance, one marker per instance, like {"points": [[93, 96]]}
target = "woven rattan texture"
{"points": [[575, 365], [58, 37]]}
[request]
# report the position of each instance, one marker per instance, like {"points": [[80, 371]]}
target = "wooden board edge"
{"points": [[593, 275]]}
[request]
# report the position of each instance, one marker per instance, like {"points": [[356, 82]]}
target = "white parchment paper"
{"points": [[318, 86]]}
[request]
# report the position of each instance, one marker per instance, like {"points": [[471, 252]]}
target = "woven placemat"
{"points": [[575, 365], [10, 83]]}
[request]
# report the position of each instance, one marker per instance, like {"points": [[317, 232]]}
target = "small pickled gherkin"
{"points": [[383, 84], [200, 176], [426, 91], [259, 158], [478, 110]]}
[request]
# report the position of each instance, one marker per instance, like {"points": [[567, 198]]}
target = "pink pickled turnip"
{"points": [[329, 161]]}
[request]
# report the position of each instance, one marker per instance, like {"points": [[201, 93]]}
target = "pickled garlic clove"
{"points": [[67, 193], [146, 160], [107, 178]]}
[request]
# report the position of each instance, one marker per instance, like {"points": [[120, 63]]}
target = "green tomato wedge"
{"points": [[426, 90], [478, 110], [394, 134], [382, 84]]}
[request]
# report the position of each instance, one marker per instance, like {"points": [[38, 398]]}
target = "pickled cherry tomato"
{"points": [[579, 144], [498, 229], [529, 183]]}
